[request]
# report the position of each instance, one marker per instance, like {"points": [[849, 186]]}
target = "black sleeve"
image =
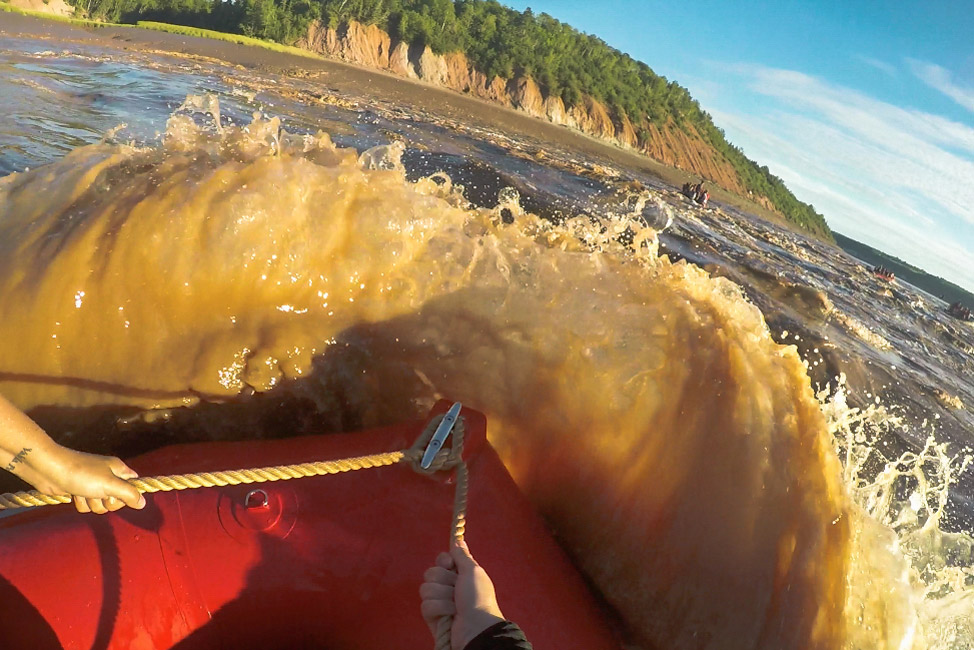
{"points": [[500, 636]]}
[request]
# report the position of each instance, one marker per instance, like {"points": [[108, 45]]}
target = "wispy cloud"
{"points": [[896, 178], [887, 68], [884, 144], [940, 79]]}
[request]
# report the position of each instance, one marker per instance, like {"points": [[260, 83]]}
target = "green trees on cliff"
{"points": [[497, 41], [503, 42]]}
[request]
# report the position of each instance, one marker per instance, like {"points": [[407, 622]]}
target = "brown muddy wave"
{"points": [[675, 448]]}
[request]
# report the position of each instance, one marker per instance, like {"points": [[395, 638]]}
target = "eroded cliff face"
{"points": [[370, 46], [55, 7]]}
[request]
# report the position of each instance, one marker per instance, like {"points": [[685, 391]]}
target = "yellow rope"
{"points": [[446, 458], [151, 484], [444, 626]]}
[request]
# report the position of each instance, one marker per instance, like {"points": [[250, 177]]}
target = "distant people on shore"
{"points": [[696, 193], [961, 311]]}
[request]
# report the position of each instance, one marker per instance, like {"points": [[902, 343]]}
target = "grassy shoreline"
{"points": [[181, 30], [239, 39]]}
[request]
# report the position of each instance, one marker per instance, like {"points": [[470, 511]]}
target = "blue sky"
{"points": [[864, 108]]}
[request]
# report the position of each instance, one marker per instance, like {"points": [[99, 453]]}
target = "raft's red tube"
{"points": [[329, 562]]}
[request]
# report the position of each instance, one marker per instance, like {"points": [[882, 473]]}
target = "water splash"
{"points": [[676, 449], [900, 543]]}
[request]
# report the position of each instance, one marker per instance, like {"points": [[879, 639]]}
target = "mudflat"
{"points": [[352, 79]]}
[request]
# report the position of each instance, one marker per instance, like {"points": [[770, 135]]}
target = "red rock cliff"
{"points": [[371, 46]]}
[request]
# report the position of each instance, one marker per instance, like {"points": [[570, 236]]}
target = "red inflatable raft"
{"points": [[883, 273], [327, 562]]}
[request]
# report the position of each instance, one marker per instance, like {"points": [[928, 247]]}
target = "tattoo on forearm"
{"points": [[18, 458]]}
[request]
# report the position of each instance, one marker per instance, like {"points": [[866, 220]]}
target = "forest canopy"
{"points": [[497, 41]]}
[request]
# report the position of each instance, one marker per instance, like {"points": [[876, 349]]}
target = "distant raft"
{"points": [[884, 273], [960, 311]]}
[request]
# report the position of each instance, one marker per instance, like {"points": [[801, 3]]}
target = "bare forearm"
{"points": [[27, 452], [96, 482], [18, 431], [20, 438]]}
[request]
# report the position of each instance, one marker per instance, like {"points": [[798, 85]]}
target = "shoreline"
{"points": [[353, 79]]}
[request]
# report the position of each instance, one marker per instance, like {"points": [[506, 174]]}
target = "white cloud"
{"points": [[940, 79], [859, 112], [895, 178]]}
